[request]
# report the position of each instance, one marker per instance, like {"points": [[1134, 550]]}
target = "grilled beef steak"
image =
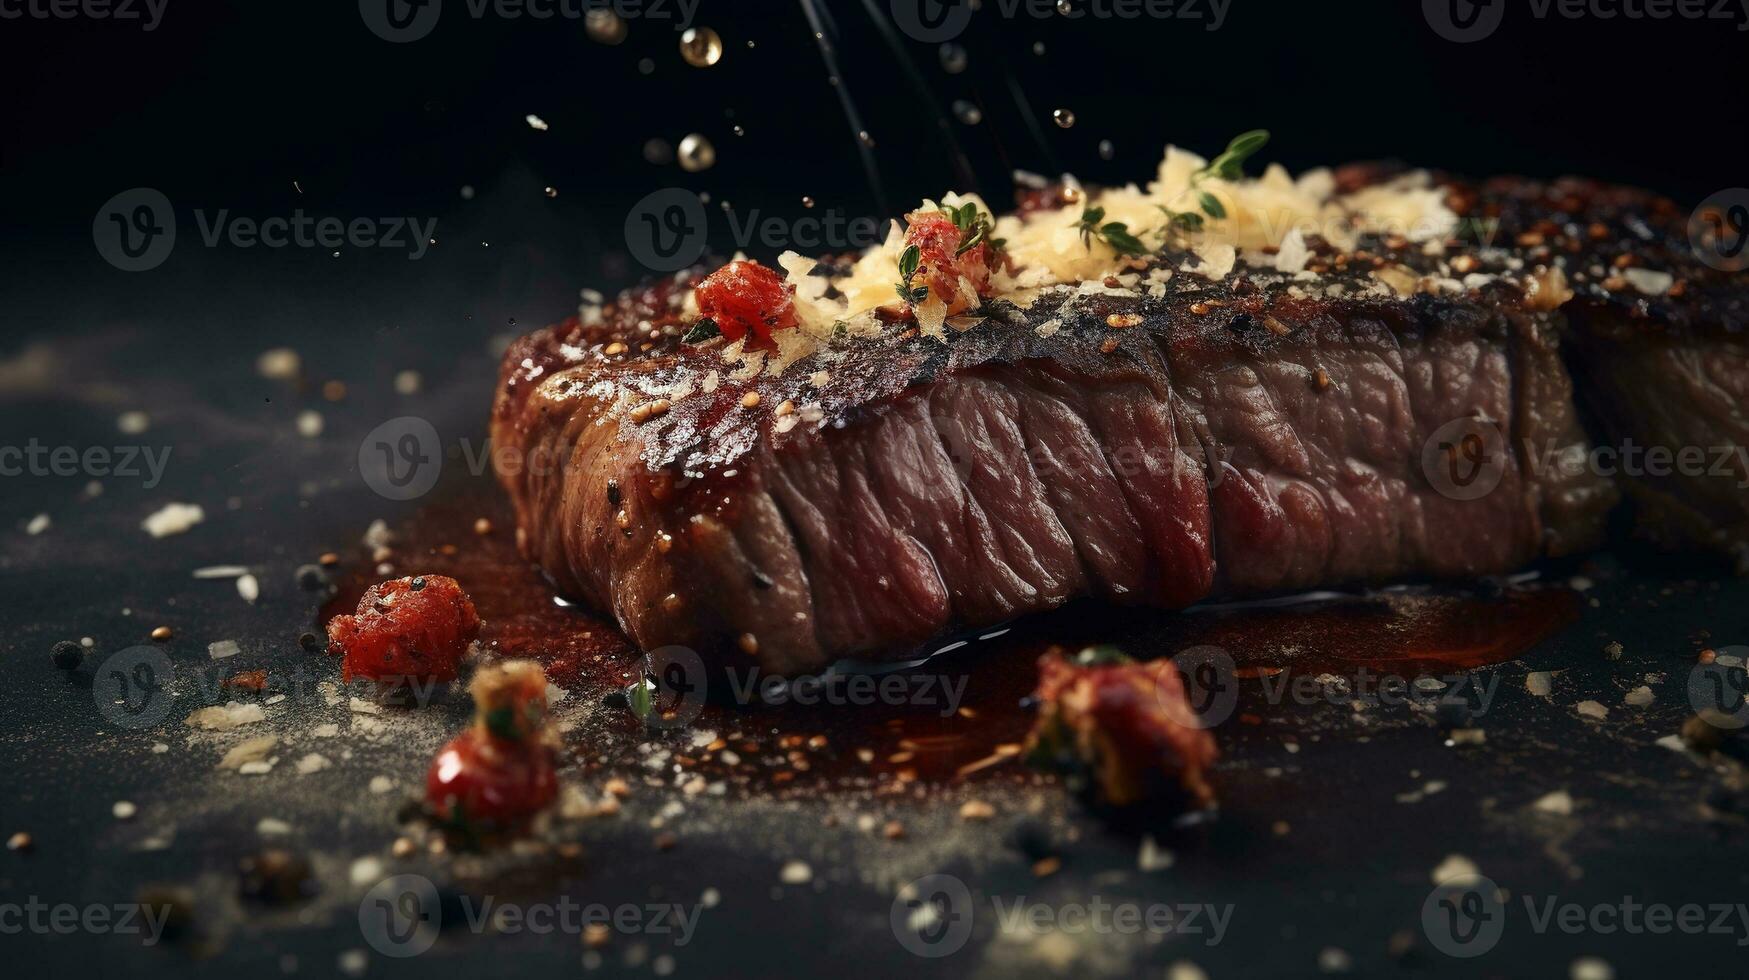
{"points": [[1248, 433]]}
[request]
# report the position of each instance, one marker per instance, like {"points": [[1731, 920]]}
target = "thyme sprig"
{"points": [[909, 260], [1115, 234], [976, 227], [1229, 165]]}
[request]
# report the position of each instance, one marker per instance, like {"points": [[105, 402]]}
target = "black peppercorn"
{"points": [[68, 655]]}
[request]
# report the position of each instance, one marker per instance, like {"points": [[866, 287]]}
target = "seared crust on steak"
{"points": [[1262, 432]]}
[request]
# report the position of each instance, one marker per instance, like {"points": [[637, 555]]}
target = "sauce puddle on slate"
{"points": [[960, 715]]}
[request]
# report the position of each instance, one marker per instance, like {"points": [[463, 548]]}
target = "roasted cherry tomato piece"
{"points": [[1128, 729], [406, 629], [938, 239], [747, 298], [497, 775]]}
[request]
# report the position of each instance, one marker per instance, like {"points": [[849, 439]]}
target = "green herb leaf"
{"points": [[502, 723], [1230, 165], [909, 259], [641, 701], [1103, 655], [703, 330], [1211, 205], [1117, 235]]}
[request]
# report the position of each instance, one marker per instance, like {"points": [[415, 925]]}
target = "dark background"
{"points": [[224, 106]]}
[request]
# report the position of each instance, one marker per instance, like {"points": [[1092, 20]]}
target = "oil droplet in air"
{"points": [[1106, 150], [604, 26], [1064, 118], [697, 153], [467, 192], [967, 113], [865, 138], [658, 152], [1065, 8], [646, 66], [552, 192], [701, 47], [1038, 48], [953, 58], [807, 202], [740, 132]]}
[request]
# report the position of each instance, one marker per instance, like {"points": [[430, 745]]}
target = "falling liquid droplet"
{"points": [[807, 202], [865, 138], [467, 192], [1106, 150], [1038, 48], [658, 152], [953, 58], [552, 192], [697, 153], [701, 47], [1064, 118], [967, 113], [740, 132], [604, 26], [1065, 8]]}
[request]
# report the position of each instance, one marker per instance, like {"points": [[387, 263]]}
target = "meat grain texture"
{"points": [[1248, 435]]}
